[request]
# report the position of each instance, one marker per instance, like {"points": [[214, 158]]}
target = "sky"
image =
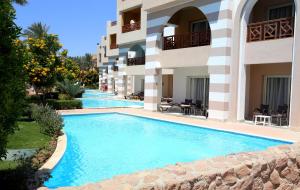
{"points": [[78, 23]]}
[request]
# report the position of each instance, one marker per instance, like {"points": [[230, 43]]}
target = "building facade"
{"points": [[232, 55]]}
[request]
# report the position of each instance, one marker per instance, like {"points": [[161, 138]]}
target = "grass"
{"points": [[28, 136], [8, 165]]}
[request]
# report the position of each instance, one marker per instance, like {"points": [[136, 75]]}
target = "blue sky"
{"points": [[79, 23]]}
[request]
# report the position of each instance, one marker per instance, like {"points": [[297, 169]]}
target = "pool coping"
{"points": [[60, 149]]}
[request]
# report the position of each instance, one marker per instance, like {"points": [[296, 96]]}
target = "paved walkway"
{"points": [[244, 128], [13, 154]]}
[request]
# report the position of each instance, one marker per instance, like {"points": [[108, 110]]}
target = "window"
{"points": [[199, 26], [198, 89], [281, 12], [277, 91]]}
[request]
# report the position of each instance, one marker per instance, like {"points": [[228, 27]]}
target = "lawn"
{"points": [[28, 136], [8, 165]]}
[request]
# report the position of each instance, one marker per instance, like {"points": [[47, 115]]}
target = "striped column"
{"points": [[153, 86], [109, 79], [103, 78], [129, 85], [220, 19], [153, 71], [121, 82]]}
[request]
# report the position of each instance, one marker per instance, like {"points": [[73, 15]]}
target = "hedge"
{"points": [[64, 104]]}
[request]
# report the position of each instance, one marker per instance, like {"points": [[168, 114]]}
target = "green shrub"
{"points": [[49, 120], [92, 86], [65, 104], [36, 99], [70, 88], [64, 97]]}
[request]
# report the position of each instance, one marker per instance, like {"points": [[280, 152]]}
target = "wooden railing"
{"points": [[272, 29], [131, 27], [136, 61], [113, 46], [187, 40]]}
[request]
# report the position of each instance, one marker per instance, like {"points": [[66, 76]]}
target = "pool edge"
{"points": [[60, 150]]}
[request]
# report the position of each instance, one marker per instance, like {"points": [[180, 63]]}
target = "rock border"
{"points": [[276, 168]]}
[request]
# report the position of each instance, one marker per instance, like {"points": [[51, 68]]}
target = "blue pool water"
{"points": [[106, 103], [95, 94], [97, 99], [104, 145]]}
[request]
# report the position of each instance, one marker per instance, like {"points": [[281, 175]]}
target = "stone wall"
{"points": [[275, 168]]}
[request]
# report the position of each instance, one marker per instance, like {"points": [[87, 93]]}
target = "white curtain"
{"points": [[277, 92], [198, 89]]}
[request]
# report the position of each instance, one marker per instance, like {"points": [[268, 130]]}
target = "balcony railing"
{"points": [[113, 23], [187, 40], [272, 29], [113, 46], [136, 61], [131, 27], [115, 68]]}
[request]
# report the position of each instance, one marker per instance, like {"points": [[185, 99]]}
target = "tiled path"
{"points": [[13, 154], [271, 132]]}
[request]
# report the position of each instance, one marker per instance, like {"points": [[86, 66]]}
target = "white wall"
{"points": [[137, 83], [180, 80]]}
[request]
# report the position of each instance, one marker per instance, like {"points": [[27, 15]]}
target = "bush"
{"points": [[35, 99], [93, 86], [50, 122], [65, 104], [80, 94], [64, 97], [70, 88], [52, 95]]}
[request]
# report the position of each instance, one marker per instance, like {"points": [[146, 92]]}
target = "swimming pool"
{"points": [[97, 99], [88, 93], [100, 146], [107, 103]]}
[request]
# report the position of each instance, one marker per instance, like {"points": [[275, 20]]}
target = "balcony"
{"points": [[113, 23], [131, 27], [115, 68], [136, 61], [187, 40], [113, 46], [272, 29]]}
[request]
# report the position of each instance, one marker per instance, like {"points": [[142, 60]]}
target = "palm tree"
{"points": [[37, 30], [20, 2]]}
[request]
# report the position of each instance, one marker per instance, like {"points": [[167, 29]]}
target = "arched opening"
{"points": [[266, 47], [136, 55], [188, 27]]}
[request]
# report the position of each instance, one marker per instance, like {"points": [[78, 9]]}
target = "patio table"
{"points": [[263, 119]]}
